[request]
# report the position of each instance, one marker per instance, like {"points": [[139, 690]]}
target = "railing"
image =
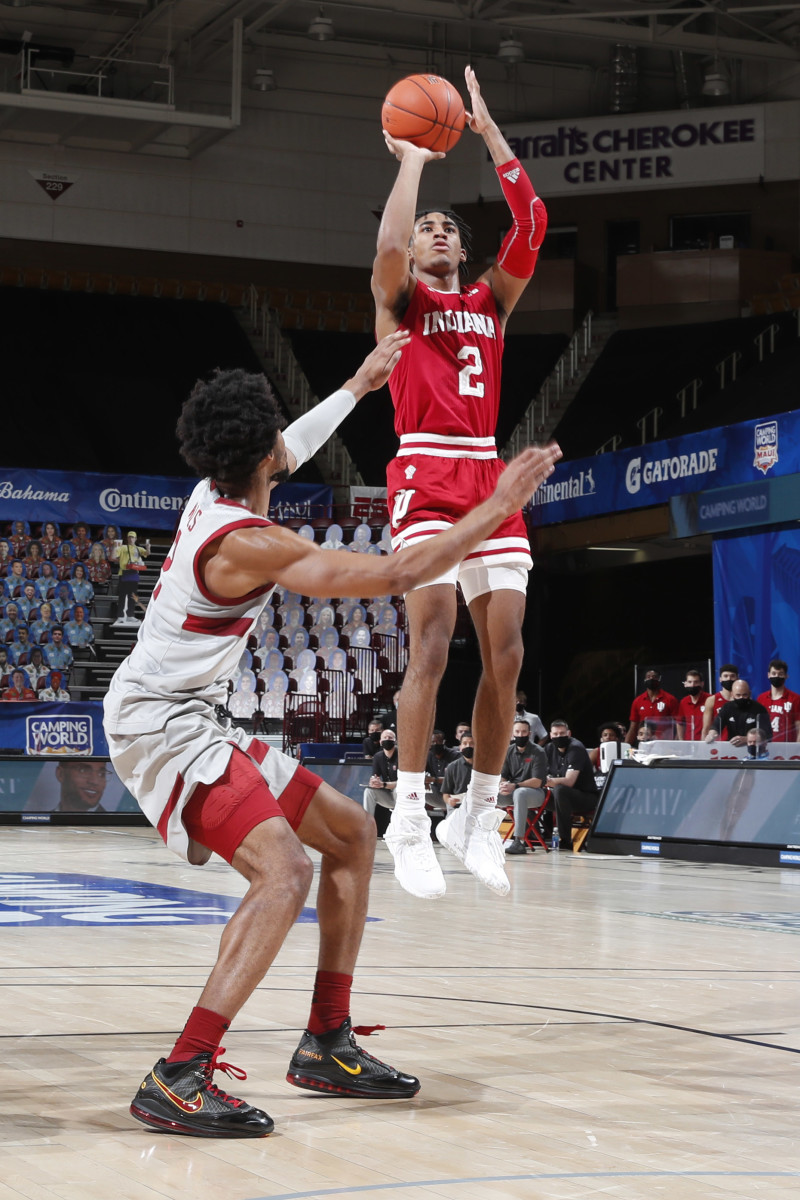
{"points": [[727, 370], [94, 78], [537, 414], [277, 347]]}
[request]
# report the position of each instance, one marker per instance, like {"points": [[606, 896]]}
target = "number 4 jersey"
{"points": [[446, 394]]}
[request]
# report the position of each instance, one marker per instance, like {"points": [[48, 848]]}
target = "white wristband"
{"points": [[308, 433]]}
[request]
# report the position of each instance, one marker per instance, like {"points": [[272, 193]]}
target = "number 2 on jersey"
{"points": [[467, 384]]}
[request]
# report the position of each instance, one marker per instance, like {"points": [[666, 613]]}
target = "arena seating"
{"points": [[668, 359]]}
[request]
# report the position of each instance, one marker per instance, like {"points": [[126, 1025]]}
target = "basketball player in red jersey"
{"points": [[446, 394], [208, 787]]}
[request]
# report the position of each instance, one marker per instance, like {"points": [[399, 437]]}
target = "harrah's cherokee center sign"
{"points": [[641, 150]]}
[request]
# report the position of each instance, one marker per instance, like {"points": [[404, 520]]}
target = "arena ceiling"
{"points": [[129, 74]]}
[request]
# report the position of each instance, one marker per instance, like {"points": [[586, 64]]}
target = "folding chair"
{"points": [[532, 826]]}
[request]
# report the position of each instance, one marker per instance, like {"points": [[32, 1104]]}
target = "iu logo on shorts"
{"points": [[402, 500]]}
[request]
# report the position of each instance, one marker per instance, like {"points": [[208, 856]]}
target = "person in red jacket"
{"points": [[782, 704], [18, 689], [691, 707], [655, 705]]}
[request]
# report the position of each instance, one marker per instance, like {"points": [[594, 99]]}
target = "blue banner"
{"points": [[653, 473], [138, 501], [756, 599], [72, 729]]}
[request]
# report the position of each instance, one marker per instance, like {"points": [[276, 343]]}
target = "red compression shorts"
{"points": [[220, 815]]}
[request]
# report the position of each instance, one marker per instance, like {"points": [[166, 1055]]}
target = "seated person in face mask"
{"points": [[383, 780], [457, 773], [654, 704], [738, 717], [521, 779], [570, 778], [439, 758], [372, 742]]}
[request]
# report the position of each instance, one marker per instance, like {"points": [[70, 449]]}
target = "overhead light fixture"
{"points": [[321, 28], [263, 80], [716, 82], [511, 50]]}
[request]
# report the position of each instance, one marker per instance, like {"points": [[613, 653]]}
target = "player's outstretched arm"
{"points": [[305, 436], [249, 558], [516, 261], [392, 281]]}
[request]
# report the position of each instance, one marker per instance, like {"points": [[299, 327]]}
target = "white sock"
{"points": [[410, 794], [481, 792]]}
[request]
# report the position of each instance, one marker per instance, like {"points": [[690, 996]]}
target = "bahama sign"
{"points": [[644, 150]]}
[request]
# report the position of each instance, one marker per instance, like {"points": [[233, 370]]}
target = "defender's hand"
{"points": [[524, 475], [379, 364], [401, 149]]}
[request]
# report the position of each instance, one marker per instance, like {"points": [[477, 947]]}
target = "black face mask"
{"points": [[776, 681], [653, 685], [694, 689], [521, 741], [562, 742], [742, 702], [438, 750], [725, 685], [388, 744], [468, 751]]}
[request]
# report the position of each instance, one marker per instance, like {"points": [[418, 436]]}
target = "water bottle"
{"points": [[556, 840]]}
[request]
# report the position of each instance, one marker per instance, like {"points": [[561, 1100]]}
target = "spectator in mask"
{"points": [[521, 779], [457, 773], [692, 707], [383, 780], [728, 674], [739, 716], [570, 779], [654, 704]]}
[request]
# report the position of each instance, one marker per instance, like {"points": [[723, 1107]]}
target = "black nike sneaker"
{"points": [[333, 1062], [182, 1098]]}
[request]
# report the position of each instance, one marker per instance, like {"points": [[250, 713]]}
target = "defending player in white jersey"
{"points": [[446, 393], [207, 787]]}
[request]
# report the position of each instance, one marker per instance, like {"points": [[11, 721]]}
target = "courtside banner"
{"points": [[638, 150], [652, 474], [73, 729], [138, 501], [134, 501]]}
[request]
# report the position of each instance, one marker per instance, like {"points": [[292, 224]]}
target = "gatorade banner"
{"points": [[651, 474]]}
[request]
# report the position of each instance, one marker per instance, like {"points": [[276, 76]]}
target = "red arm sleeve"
{"points": [[520, 248]]}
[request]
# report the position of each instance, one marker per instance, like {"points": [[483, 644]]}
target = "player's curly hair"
{"points": [[228, 425], [464, 232]]}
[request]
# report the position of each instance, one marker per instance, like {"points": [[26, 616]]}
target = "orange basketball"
{"points": [[425, 110]]}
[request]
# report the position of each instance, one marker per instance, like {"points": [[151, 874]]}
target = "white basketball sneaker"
{"points": [[452, 832], [415, 864], [484, 857]]}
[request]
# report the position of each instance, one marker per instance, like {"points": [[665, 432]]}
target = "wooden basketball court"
{"points": [[616, 1027]]}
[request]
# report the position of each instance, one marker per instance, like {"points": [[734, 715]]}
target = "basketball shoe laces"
{"points": [[420, 851], [235, 1073]]}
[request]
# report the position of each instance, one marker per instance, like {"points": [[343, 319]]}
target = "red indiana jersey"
{"points": [[690, 716], [448, 378], [783, 714], [660, 710]]}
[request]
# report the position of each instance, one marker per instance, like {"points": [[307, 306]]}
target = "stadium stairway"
{"points": [[90, 677]]}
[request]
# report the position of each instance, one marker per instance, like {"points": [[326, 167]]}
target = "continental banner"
{"points": [[151, 502]]}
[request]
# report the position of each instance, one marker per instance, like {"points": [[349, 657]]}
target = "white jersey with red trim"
{"points": [[190, 640]]}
